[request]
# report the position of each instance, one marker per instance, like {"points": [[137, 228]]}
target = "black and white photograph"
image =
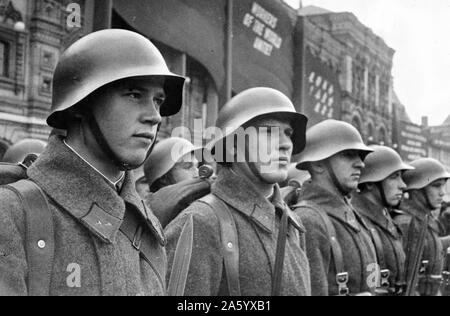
{"points": [[224, 153]]}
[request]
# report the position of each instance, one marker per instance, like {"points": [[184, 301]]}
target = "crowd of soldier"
{"points": [[327, 215]]}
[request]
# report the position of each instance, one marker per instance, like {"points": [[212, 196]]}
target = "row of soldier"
{"points": [[340, 224]]}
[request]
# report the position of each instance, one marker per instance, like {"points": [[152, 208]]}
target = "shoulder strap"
{"points": [[230, 242], [331, 231], [336, 250], [400, 280], [378, 247], [40, 239]]}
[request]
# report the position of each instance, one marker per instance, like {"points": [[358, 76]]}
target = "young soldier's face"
{"points": [[185, 169], [269, 154], [436, 193], [347, 167], [393, 187], [127, 113]]}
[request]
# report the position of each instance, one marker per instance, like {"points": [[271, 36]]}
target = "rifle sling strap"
{"points": [[336, 250], [230, 243], [140, 237], [40, 239]]}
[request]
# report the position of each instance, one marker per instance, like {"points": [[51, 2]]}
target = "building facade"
{"points": [[32, 36], [329, 64], [356, 62]]}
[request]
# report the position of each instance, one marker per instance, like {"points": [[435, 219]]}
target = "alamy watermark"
{"points": [[73, 280], [233, 144], [74, 17]]}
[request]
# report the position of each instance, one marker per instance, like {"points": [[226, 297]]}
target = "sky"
{"points": [[419, 33]]}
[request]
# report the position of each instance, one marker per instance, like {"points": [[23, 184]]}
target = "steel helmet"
{"points": [[258, 102], [382, 163], [329, 138], [103, 57], [427, 170], [165, 155], [297, 175], [20, 150]]}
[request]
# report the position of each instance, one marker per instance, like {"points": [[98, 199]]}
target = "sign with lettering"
{"points": [[264, 25], [262, 36], [322, 91], [412, 142], [263, 45]]}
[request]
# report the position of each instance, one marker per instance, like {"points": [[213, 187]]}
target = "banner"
{"points": [[262, 44], [412, 141], [322, 93]]}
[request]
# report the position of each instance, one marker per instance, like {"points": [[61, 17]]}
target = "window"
{"points": [[4, 59]]}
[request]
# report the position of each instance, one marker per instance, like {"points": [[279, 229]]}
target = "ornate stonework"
{"points": [[364, 63], [9, 13]]}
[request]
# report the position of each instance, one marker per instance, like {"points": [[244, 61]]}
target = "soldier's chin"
{"points": [[395, 203], [437, 205], [274, 176], [135, 161], [351, 186]]}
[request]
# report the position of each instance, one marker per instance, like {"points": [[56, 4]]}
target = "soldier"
{"points": [[18, 158], [291, 188], [172, 160], [340, 251], [426, 190], [172, 176], [25, 148], [444, 219], [246, 240], [92, 234], [382, 189]]}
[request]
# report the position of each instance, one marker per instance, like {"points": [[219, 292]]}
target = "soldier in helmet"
{"points": [[426, 190], [25, 149], [381, 190], [110, 90], [291, 188], [172, 176], [246, 240], [338, 243], [172, 160], [18, 158], [444, 218]]}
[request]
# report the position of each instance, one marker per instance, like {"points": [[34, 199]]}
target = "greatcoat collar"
{"points": [[375, 214], [243, 196], [82, 192], [338, 207]]}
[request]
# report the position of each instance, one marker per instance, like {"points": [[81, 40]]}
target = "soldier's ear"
{"points": [[316, 167], [369, 186]]}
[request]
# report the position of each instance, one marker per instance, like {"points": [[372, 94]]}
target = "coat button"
{"points": [[41, 244]]}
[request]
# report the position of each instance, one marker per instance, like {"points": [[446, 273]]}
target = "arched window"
{"points": [[4, 59]]}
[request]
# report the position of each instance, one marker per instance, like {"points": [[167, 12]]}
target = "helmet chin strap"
{"points": [[103, 143], [255, 171], [427, 199], [335, 180], [383, 195]]}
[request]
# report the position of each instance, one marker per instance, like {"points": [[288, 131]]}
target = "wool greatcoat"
{"points": [[87, 214], [257, 225], [390, 251], [358, 252], [410, 222]]}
